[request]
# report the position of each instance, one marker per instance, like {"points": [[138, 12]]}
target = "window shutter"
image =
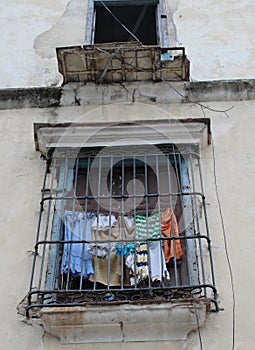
{"points": [[64, 185]]}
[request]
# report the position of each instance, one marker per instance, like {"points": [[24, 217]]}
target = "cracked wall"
{"points": [[22, 173], [32, 30], [218, 38]]}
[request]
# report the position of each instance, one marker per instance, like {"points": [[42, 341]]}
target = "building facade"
{"points": [[139, 113]]}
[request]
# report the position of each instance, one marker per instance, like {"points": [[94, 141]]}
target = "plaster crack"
{"points": [[122, 331], [77, 101], [133, 96], [43, 337]]}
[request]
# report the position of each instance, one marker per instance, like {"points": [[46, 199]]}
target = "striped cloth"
{"points": [[148, 226], [142, 266]]}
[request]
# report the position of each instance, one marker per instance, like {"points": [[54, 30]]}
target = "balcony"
{"points": [[122, 62]]}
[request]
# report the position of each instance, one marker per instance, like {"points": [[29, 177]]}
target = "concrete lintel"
{"points": [[77, 136], [123, 323], [74, 94]]}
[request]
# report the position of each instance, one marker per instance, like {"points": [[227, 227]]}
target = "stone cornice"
{"points": [[145, 92]]}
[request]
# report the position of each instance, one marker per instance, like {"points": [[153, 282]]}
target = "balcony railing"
{"points": [[121, 62]]}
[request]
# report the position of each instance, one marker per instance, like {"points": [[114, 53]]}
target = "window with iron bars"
{"points": [[121, 225]]}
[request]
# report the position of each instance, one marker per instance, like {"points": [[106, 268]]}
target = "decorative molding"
{"points": [[77, 136]]}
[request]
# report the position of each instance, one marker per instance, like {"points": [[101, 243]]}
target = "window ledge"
{"points": [[124, 323]]}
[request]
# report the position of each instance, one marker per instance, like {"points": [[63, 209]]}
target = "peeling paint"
{"points": [[71, 22]]}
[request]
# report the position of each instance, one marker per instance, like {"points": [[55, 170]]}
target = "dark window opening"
{"points": [[133, 188], [139, 20]]}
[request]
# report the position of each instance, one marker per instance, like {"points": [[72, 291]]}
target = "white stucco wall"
{"points": [[21, 179], [219, 41], [218, 37], [32, 30]]}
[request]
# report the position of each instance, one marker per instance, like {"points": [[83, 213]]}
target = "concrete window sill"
{"points": [[123, 323]]}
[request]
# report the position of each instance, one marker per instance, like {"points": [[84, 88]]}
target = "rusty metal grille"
{"points": [[135, 186], [115, 62]]}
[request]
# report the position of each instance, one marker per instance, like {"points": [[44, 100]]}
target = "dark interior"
{"points": [[117, 181], [140, 20]]}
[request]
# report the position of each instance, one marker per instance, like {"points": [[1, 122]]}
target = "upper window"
{"points": [[125, 23], [112, 21]]}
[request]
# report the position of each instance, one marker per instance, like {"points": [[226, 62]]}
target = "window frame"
{"points": [[49, 294], [161, 20], [58, 138], [65, 190]]}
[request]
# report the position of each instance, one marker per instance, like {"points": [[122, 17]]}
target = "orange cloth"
{"points": [[169, 227]]}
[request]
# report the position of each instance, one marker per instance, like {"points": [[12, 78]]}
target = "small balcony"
{"points": [[122, 62]]}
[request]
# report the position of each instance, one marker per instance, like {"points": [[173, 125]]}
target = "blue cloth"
{"points": [[76, 257], [128, 249]]}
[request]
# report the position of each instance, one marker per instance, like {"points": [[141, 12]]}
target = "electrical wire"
{"points": [[223, 227], [226, 249], [140, 18], [179, 93], [199, 103], [168, 83], [110, 57], [225, 244], [120, 23]]}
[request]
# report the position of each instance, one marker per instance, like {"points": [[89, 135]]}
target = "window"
{"points": [[125, 23], [142, 21], [124, 41], [121, 225]]}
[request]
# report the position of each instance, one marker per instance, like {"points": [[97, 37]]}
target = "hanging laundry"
{"points": [[106, 271], [105, 235], [101, 250], [76, 258], [172, 248], [124, 249], [104, 231], [142, 266], [147, 261], [126, 227], [147, 226], [157, 262], [103, 221]]}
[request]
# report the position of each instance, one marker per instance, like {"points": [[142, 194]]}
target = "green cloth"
{"points": [[147, 226]]}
